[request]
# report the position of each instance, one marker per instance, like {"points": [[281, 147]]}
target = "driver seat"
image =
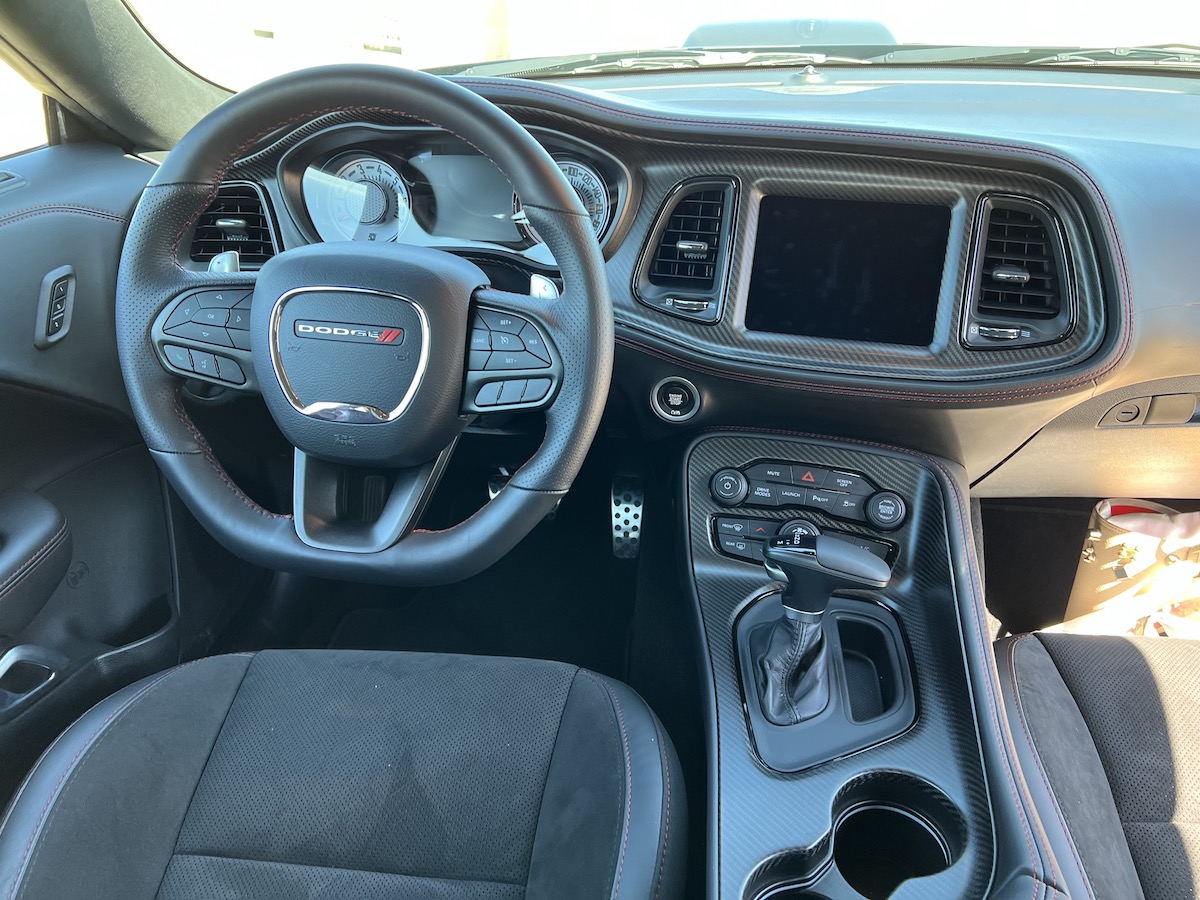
{"points": [[345, 773]]}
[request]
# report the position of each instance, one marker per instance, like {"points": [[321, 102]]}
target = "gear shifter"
{"points": [[791, 665]]}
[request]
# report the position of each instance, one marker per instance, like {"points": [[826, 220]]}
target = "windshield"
{"points": [[236, 44]]}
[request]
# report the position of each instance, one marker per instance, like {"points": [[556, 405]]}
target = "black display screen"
{"points": [[850, 269]]}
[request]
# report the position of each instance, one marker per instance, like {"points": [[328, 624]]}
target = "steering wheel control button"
{"points": [[769, 471], [502, 361], [178, 357], [215, 317], [675, 400], [204, 364], [507, 343], [183, 313], [489, 394], [504, 322], [532, 338], [536, 389], [511, 391], [204, 334], [223, 299], [729, 487], [239, 319], [847, 483], [481, 339], [477, 360], [886, 510], [228, 370], [802, 527]]}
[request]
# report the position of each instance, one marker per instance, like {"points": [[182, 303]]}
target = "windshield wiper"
{"points": [[602, 63], [1158, 54]]}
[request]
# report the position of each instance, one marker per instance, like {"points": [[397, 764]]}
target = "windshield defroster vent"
{"points": [[236, 220], [683, 265], [1020, 287]]}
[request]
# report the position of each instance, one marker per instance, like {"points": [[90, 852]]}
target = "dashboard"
{"points": [[962, 284]]}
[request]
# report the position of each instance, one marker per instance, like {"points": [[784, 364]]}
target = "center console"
{"points": [[880, 786]]}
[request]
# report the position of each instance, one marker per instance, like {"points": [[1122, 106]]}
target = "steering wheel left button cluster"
{"points": [[206, 334]]}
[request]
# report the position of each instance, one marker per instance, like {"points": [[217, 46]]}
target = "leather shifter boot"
{"points": [[791, 669]]}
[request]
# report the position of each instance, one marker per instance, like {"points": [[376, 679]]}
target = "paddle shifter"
{"points": [[791, 665]]}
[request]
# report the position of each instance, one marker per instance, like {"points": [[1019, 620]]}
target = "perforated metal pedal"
{"points": [[628, 503]]}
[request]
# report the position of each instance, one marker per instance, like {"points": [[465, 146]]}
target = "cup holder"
{"points": [[888, 828], [877, 848]]}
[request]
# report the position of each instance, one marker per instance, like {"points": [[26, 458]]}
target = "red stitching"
{"points": [[70, 767], [885, 137], [1012, 678], [666, 764], [65, 210], [628, 779], [206, 450], [34, 559], [1008, 771], [816, 387]]}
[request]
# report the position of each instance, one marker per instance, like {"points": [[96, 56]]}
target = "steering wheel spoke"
{"points": [[204, 333], [513, 360], [361, 510]]}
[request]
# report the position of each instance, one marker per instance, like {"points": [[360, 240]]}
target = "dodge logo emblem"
{"points": [[355, 334]]}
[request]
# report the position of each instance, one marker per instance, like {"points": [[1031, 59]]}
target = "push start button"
{"points": [[675, 399]]}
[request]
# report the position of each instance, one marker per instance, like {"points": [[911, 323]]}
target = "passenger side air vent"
{"points": [[683, 265], [237, 220], [1020, 293]]}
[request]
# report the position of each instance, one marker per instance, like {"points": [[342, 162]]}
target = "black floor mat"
{"points": [[558, 595]]}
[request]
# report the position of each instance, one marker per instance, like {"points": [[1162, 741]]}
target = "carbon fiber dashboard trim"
{"points": [[760, 816], [791, 158]]}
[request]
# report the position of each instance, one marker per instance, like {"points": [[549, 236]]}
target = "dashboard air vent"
{"points": [[1021, 292], [237, 220], [684, 265], [1020, 273], [687, 252]]}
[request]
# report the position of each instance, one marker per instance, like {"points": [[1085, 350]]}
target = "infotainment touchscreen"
{"points": [[849, 269]]}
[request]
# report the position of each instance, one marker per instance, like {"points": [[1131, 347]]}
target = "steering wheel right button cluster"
{"points": [[504, 350]]}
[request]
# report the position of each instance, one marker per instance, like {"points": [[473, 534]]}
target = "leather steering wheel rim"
{"points": [[151, 275]]}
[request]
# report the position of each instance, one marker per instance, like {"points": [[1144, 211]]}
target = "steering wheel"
{"points": [[365, 354]]}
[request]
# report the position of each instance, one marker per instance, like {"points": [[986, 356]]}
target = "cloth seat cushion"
{"points": [[1108, 728], [354, 774]]}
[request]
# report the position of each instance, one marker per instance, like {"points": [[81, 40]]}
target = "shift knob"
{"points": [[816, 566]]}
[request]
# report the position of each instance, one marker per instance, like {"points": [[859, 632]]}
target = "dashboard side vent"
{"points": [[686, 255], [683, 267], [237, 220], [1021, 292]]}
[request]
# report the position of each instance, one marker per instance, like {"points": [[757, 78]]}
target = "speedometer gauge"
{"points": [[358, 198], [592, 191]]}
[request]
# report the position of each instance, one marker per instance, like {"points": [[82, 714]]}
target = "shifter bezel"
{"points": [[832, 733]]}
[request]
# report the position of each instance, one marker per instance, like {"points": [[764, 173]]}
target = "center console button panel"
{"points": [[843, 495], [742, 538]]}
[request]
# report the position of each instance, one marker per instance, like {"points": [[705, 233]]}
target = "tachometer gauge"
{"points": [[357, 198], [592, 191]]}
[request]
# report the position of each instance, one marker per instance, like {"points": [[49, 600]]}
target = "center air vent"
{"points": [[682, 271], [1020, 290], [237, 220]]}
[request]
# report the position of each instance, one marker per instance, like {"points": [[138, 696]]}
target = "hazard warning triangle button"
{"points": [[809, 476]]}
